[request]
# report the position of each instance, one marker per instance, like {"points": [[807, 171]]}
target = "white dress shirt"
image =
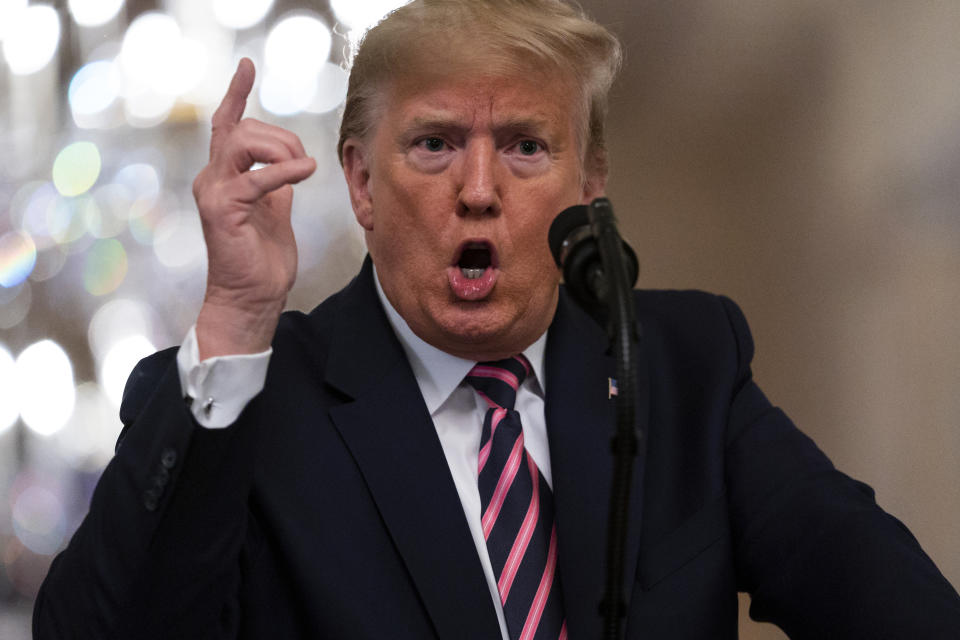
{"points": [[222, 386]]}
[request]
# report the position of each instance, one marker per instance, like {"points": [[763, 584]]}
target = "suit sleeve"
{"points": [[157, 554], [816, 553]]}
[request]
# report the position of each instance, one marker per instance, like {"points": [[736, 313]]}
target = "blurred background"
{"points": [[801, 156]]}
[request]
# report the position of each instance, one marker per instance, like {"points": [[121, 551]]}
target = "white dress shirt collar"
{"points": [[438, 373]]}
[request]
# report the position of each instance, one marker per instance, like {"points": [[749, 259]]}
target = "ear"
{"points": [[356, 171]]}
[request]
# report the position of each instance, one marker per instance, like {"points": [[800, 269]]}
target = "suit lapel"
{"points": [[391, 435], [580, 421]]}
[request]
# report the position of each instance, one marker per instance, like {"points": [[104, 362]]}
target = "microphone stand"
{"points": [[623, 332], [604, 289]]}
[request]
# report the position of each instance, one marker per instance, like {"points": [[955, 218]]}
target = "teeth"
{"points": [[471, 274]]}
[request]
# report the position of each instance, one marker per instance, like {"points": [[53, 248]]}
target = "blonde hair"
{"points": [[505, 36]]}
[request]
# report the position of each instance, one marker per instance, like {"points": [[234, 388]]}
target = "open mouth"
{"points": [[474, 271], [475, 258]]}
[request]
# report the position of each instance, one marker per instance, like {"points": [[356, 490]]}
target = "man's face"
{"points": [[456, 187]]}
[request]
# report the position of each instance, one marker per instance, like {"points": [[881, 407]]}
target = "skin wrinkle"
{"points": [[418, 207], [416, 70]]}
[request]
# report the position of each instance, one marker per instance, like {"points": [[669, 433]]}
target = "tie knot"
{"points": [[499, 380]]}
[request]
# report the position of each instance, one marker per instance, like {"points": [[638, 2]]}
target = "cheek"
{"points": [[411, 203], [533, 261]]}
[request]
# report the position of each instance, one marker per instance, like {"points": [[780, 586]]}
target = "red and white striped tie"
{"points": [[517, 507]]}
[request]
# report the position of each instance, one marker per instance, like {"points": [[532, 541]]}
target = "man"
{"points": [[338, 483]]}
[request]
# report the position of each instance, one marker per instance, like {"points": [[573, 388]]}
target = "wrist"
{"points": [[228, 329]]}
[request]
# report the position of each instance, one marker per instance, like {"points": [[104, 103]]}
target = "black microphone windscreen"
{"points": [[563, 225]]}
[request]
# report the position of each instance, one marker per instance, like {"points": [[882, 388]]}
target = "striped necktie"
{"points": [[517, 507]]}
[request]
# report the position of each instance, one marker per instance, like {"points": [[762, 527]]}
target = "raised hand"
{"points": [[251, 250]]}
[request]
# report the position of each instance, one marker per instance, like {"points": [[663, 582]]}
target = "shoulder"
{"points": [[691, 322]]}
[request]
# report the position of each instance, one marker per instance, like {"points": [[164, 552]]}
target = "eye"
{"points": [[433, 144], [528, 147]]}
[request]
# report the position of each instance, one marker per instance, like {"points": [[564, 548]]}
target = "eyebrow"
{"points": [[446, 123], [439, 122], [521, 123]]}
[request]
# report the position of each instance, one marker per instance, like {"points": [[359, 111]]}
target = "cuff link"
{"points": [[207, 407]]}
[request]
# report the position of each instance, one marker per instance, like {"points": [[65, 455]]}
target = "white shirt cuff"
{"points": [[219, 388]]}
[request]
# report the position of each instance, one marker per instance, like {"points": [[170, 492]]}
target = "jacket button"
{"points": [[168, 458], [162, 477], [149, 501]]}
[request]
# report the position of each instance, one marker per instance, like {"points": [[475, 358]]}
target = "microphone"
{"points": [[582, 238]]}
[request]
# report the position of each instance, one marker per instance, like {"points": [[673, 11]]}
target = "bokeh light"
{"points": [[20, 198], [117, 319], [8, 11], [145, 218], [86, 212], [67, 219], [360, 16], [294, 53], [39, 520], [61, 224], [151, 81], [331, 88], [144, 55], [147, 109], [76, 168], [283, 95], [178, 241], [49, 263], [298, 44], [45, 386], [9, 406], [15, 304], [18, 255], [30, 211], [119, 361], [109, 218], [95, 87], [92, 13], [190, 62], [140, 180], [210, 82], [105, 267], [31, 38], [87, 441], [240, 14]]}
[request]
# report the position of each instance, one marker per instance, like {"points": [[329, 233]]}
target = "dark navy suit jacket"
{"points": [[328, 510]]}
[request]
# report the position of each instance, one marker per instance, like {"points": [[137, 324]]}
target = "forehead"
{"points": [[544, 99]]}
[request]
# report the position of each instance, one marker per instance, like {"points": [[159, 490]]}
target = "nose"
{"points": [[479, 179]]}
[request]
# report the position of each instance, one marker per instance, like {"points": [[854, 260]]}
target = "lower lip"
{"points": [[466, 288]]}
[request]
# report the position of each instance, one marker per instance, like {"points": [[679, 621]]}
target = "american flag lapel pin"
{"points": [[611, 387]]}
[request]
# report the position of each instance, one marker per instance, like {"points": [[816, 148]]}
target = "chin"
{"points": [[469, 328], [480, 334]]}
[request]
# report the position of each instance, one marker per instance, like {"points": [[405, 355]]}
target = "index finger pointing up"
{"points": [[234, 102]]}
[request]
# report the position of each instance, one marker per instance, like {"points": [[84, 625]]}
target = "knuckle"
{"points": [[219, 129], [205, 196], [198, 186]]}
